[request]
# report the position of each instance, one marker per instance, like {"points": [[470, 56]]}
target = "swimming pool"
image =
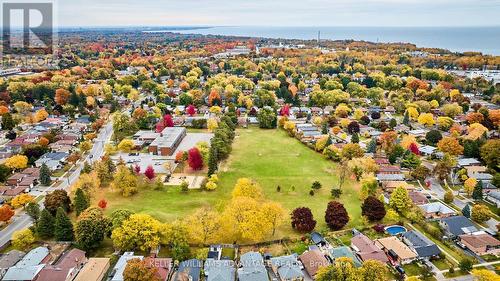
{"points": [[395, 229]]}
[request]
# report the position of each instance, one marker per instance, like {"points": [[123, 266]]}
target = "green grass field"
{"points": [[271, 158]]}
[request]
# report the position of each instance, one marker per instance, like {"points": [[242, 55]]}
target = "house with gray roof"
{"points": [[29, 266], [344, 251], [456, 226], [424, 247], [188, 270], [252, 267], [436, 210], [493, 197], [219, 270], [9, 259], [287, 268], [390, 177]]}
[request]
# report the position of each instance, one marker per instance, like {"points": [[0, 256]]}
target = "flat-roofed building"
{"points": [[168, 141]]}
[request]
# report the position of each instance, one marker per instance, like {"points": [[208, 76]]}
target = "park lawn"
{"points": [[271, 158]]}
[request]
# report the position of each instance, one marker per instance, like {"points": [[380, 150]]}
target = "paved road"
{"points": [[22, 220]]}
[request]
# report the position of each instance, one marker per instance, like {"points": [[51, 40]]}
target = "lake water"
{"points": [[460, 39]]}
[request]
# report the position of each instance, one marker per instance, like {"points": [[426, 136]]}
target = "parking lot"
{"points": [[144, 160]]}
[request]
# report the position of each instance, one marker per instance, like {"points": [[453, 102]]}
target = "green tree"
{"points": [[410, 161], [465, 264], [33, 210], [212, 160], [81, 201], [45, 225], [372, 146], [45, 175], [267, 118], [91, 228], [355, 138], [448, 197], [477, 194], [7, 122], [63, 228]]}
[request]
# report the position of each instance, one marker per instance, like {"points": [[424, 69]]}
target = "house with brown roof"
{"points": [[312, 261], [389, 169], [65, 269], [94, 270], [163, 266], [481, 243], [396, 250], [366, 249], [418, 198]]}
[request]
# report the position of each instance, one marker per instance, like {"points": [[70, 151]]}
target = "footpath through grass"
{"points": [[271, 158]]}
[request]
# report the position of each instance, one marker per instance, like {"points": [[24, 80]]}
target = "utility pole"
{"points": [[319, 39]]}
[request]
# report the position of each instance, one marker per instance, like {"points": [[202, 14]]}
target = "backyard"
{"points": [[271, 158]]}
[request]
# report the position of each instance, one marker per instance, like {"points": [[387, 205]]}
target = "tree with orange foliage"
{"points": [[387, 139], [214, 98], [474, 117], [6, 213], [3, 110], [62, 96], [139, 113], [184, 86], [43, 141], [41, 115], [494, 116], [450, 145]]}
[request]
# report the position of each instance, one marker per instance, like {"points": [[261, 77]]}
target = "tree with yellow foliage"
{"points": [[274, 213], [476, 131], [342, 110], [412, 113], [203, 226], [469, 186], [426, 119], [407, 141], [212, 124], [246, 187], [126, 145], [21, 200], [41, 115], [23, 239], [451, 146], [485, 275], [138, 232], [17, 162]]}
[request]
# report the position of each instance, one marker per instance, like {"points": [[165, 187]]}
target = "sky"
{"points": [[278, 12]]}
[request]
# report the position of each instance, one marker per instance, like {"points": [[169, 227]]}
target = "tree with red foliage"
{"points": [[159, 127], [6, 213], [150, 172], [373, 209], [102, 204], [336, 215], [191, 110], [303, 220], [285, 110], [137, 169], [168, 121], [195, 160], [414, 149]]}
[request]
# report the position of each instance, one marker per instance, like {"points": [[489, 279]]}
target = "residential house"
{"points": [[481, 243], [493, 197], [188, 270], [366, 249], [318, 239], [389, 186], [418, 198], [424, 247], [120, 265], [287, 268], [163, 266], [456, 226], [396, 250], [465, 162], [94, 270], [252, 267], [65, 269], [53, 160], [29, 266], [436, 210], [312, 261], [427, 150], [389, 169], [344, 251], [9, 259], [219, 270], [390, 177]]}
